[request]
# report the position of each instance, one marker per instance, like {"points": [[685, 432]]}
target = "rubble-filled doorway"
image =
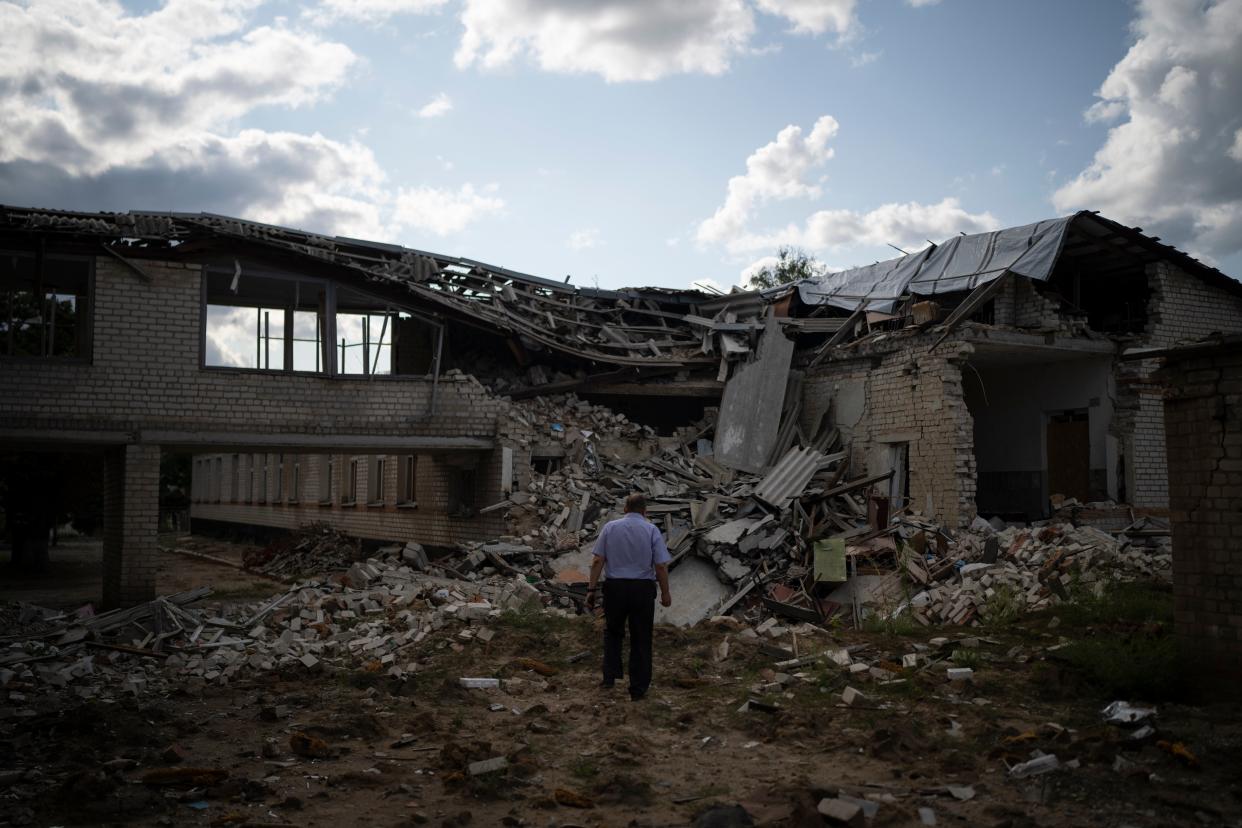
{"points": [[1068, 443]]}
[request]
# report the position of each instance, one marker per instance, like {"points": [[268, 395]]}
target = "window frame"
{"points": [[407, 480], [88, 320], [331, 369]]}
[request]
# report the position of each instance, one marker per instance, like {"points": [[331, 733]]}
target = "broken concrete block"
{"points": [[486, 766], [840, 812], [309, 661], [851, 696], [960, 674], [475, 611], [1039, 765], [480, 683]]}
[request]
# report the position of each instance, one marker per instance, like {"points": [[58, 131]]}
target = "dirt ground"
{"points": [[75, 575], [396, 753]]}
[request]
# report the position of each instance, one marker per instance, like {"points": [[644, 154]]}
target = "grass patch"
{"points": [[584, 769], [1003, 608], [894, 626], [966, 657], [1129, 667], [1132, 604], [535, 621], [1131, 652]]}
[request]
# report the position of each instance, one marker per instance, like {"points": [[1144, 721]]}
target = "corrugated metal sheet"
{"points": [[961, 263], [789, 477]]}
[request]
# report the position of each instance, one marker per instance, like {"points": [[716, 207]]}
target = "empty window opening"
{"points": [[462, 500], [44, 306], [327, 464], [366, 332], [265, 323], [295, 484], [407, 472], [280, 478], [351, 485], [375, 482]]}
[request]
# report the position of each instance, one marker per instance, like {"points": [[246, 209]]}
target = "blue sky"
{"points": [[599, 139]]}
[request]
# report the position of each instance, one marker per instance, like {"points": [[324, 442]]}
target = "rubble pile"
{"points": [[365, 618], [1022, 570], [311, 549]]}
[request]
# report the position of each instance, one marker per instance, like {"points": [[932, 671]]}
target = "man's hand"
{"points": [[666, 600], [590, 602]]}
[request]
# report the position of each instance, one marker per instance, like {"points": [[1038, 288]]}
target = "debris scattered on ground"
{"points": [[307, 551]]}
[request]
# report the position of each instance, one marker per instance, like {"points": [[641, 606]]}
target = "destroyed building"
{"points": [[404, 395]]}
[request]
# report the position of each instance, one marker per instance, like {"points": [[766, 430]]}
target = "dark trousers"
{"points": [[629, 602]]}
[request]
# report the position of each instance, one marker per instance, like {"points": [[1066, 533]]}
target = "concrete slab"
{"points": [[696, 593]]}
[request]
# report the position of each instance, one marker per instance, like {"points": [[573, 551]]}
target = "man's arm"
{"points": [[597, 568], [666, 598]]}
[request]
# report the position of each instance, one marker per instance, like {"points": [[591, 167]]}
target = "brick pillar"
{"points": [[1203, 419], [131, 524]]}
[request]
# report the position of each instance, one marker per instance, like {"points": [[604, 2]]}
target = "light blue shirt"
{"points": [[631, 547]]}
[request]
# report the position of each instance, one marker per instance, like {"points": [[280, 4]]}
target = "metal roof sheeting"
{"points": [[961, 263], [789, 477]]}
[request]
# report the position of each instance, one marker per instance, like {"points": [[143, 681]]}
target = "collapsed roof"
{"points": [[966, 262], [631, 327]]}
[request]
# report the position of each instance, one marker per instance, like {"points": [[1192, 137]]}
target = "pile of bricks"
{"points": [[1025, 570], [367, 618]]}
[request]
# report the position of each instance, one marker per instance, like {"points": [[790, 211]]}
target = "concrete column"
{"points": [[131, 524]]}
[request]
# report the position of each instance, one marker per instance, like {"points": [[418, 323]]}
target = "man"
{"points": [[631, 553]]}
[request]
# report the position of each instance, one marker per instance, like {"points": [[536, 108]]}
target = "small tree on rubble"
{"points": [[792, 264]]}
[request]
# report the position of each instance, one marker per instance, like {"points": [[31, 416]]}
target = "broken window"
{"points": [[295, 484], [264, 322], [462, 500], [44, 306], [280, 478], [327, 463], [375, 481], [366, 330], [407, 471], [262, 498], [351, 485]]}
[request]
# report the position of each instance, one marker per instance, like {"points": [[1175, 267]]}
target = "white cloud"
{"points": [[778, 172], [1170, 166], [813, 16], [584, 239], [441, 211], [622, 40], [762, 263], [862, 59], [907, 226], [918, 4], [107, 109], [774, 172], [370, 11], [439, 105]]}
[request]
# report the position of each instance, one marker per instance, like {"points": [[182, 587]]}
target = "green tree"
{"points": [[793, 264]]}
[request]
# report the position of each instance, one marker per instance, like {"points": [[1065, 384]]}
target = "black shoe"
{"points": [[607, 684], [638, 695]]}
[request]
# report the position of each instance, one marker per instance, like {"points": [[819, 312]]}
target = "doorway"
{"points": [[1068, 442]]}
